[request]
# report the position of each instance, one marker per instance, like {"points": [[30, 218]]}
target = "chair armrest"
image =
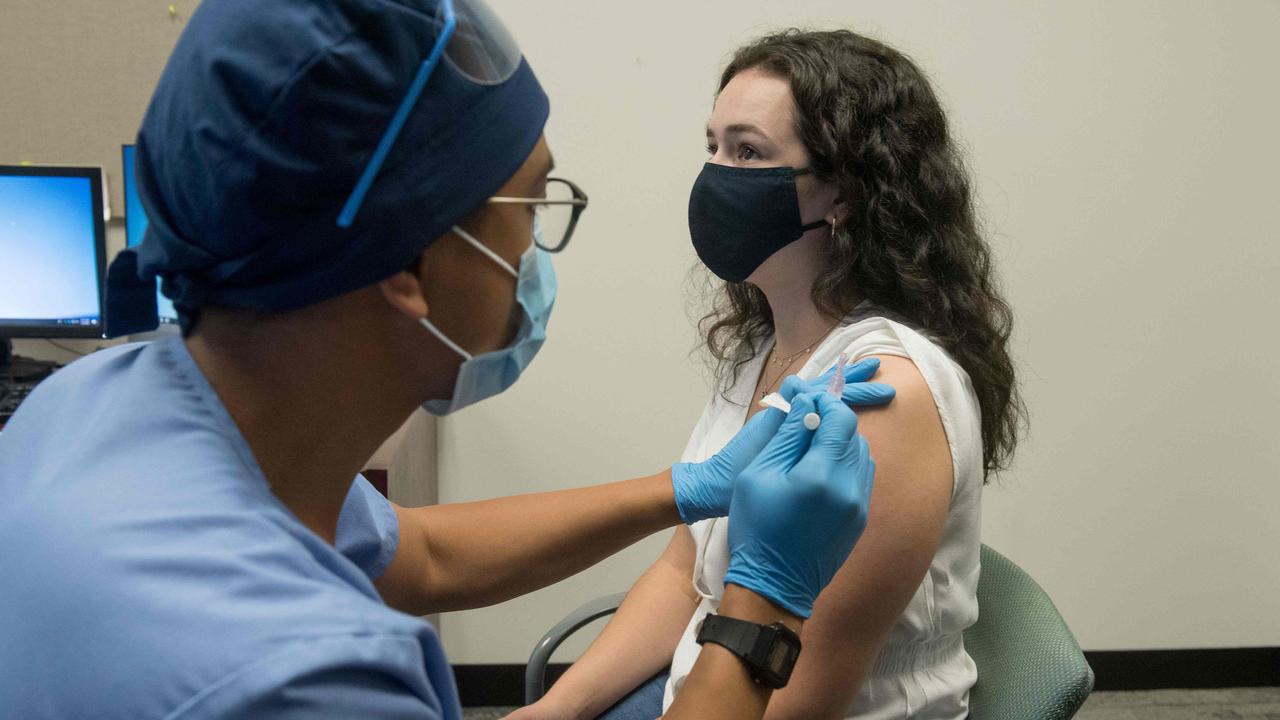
{"points": [[535, 673]]}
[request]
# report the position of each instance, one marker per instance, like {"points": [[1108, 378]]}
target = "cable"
{"points": [[71, 350]]}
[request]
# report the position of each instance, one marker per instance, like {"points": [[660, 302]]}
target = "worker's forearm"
{"points": [[719, 684], [481, 553]]}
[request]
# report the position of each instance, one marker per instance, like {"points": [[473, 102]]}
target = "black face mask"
{"points": [[739, 217]]}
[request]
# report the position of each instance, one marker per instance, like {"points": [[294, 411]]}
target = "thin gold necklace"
{"points": [[786, 363]]}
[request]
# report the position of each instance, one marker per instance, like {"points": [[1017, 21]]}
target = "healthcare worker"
{"points": [[180, 535]]}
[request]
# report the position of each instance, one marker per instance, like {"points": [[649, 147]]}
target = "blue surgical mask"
{"points": [[485, 375]]}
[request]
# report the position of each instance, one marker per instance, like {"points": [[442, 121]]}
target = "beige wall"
{"points": [[76, 75], [1124, 155]]}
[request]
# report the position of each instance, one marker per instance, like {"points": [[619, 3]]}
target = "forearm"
{"points": [[481, 553], [637, 643], [719, 684]]}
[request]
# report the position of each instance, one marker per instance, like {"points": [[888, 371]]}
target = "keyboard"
{"points": [[18, 377], [11, 396]]}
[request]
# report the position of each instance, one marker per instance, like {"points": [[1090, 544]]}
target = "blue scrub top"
{"points": [[147, 571]]}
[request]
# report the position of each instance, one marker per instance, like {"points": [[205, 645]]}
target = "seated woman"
{"points": [[835, 206]]}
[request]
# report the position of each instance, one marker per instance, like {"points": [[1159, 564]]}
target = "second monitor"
{"points": [[135, 223]]}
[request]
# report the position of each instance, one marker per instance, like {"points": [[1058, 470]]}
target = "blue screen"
{"points": [[48, 251], [135, 227]]}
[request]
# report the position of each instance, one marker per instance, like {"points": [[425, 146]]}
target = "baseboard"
{"points": [[497, 685], [1185, 669], [503, 685]]}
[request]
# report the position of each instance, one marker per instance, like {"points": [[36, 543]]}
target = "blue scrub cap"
{"points": [[266, 117]]}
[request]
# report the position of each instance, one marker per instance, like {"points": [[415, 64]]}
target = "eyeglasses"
{"points": [[558, 212]]}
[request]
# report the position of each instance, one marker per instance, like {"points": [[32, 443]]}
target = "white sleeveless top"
{"points": [[923, 670]]}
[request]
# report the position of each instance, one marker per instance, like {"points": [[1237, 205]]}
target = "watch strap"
{"points": [[739, 636], [754, 644]]}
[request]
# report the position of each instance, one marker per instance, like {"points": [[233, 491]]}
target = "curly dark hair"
{"points": [[911, 244]]}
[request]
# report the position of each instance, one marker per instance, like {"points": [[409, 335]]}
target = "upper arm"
{"points": [[402, 586], [909, 505]]}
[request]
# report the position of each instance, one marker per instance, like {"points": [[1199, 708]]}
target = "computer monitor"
{"points": [[135, 227], [52, 252]]}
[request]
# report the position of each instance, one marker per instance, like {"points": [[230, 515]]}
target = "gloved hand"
{"points": [[857, 391], [703, 490], [801, 505]]}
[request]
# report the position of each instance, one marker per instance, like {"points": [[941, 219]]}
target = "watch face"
{"points": [[780, 656], [769, 651]]}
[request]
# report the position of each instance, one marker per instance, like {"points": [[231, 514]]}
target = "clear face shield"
{"points": [[476, 45]]}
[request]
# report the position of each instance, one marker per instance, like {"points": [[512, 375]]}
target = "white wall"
{"points": [[1125, 157]]}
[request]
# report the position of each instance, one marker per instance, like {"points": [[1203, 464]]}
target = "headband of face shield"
{"points": [[475, 44], [273, 119]]}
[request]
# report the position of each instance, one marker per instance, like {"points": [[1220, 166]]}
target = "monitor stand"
{"points": [[15, 368]]}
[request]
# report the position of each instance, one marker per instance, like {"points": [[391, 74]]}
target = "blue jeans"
{"points": [[644, 703]]}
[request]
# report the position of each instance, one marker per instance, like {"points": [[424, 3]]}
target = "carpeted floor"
{"points": [[1230, 704]]}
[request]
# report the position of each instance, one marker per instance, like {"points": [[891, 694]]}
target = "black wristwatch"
{"points": [[769, 651]]}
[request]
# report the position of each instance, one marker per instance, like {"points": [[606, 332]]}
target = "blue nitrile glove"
{"points": [[857, 391], [800, 506], [703, 489]]}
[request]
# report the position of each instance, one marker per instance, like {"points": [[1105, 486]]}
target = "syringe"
{"points": [[836, 387]]}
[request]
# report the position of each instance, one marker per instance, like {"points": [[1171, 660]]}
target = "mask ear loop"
{"points": [[444, 338], [804, 228], [492, 256], [489, 253]]}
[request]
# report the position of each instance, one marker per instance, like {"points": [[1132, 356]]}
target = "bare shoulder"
{"points": [[907, 435], [905, 377]]}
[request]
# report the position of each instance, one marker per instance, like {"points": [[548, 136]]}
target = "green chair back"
{"points": [[1029, 664]]}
